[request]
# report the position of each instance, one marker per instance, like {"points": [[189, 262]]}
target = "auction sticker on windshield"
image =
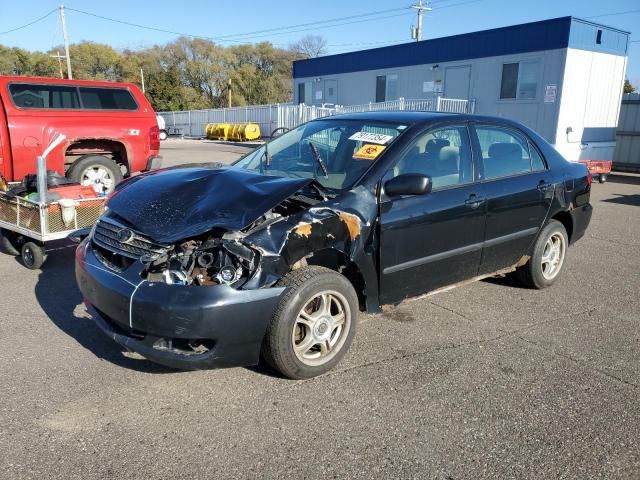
{"points": [[369, 152], [379, 138]]}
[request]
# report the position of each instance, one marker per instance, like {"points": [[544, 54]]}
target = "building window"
{"points": [[386, 88], [301, 93], [599, 37], [519, 80]]}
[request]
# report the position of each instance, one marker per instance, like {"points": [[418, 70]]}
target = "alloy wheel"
{"points": [[321, 328]]}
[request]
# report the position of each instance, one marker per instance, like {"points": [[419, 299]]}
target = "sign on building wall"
{"points": [[550, 92]]}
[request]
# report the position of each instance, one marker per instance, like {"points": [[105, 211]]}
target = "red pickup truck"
{"points": [[111, 129]]}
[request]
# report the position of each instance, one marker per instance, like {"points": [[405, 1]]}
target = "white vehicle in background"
{"points": [[163, 135]]}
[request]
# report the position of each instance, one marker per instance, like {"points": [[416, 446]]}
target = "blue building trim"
{"points": [[528, 37]]}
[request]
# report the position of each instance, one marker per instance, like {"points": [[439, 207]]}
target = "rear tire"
{"points": [[163, 135], [313, 325], [9, 242], [547, 258], [98, 171], [602, 179], [33, 255]]}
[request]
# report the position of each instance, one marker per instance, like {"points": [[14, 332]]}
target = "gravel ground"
{"points": [[485, 381]]}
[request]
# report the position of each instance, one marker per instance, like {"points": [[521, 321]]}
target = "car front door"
{"points": [[428, 241], [519, 190]]}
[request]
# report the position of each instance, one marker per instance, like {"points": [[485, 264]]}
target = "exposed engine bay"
{"points": [[213, 261], [220, 257]]}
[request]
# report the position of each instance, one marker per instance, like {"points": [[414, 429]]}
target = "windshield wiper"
{"points": [[318, 158], [266, 157]]}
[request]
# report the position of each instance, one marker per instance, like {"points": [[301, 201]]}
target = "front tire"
{"points": [[313, 325], [547, 259], [98, 171]]}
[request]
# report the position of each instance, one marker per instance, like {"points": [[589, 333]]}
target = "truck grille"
{"points": [[120, 240]]}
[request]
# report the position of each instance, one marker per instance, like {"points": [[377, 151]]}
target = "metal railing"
{"points": [[193, 122]]}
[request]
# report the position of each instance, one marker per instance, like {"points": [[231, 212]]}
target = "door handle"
{"points": [[544, 186], [474, 201]]}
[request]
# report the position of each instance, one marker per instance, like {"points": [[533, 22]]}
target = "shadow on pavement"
{"points": [[633, 200], [629, 179], [505, 281], [59, 297]]}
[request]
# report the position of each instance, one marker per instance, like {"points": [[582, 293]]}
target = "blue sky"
{"points": [[223, 19]]}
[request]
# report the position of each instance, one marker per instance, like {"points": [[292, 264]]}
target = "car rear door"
{"points": [[428, 241], [519, 190]]}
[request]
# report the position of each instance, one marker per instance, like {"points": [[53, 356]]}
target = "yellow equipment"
{"points": [[239, 132]]}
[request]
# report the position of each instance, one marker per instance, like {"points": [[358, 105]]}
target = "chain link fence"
{"points": [[192, 123]]}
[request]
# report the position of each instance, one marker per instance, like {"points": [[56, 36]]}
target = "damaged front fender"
{"points": [[344, 225]]}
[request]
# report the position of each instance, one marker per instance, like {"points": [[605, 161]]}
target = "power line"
{"points": [[227, 38], [321, 22], [30, 23], [612, 14]]}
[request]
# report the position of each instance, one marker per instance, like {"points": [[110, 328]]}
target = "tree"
{"points": [[628, 88], [310, 46], [94, 61]]}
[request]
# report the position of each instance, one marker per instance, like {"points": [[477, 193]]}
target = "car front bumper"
{"points": [[157, 320]]}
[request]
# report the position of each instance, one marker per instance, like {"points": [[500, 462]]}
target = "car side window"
{"points": [[504, 152], [537, 163], [444, 154]]}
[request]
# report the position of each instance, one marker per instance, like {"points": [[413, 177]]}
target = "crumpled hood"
{"points": [[178, 203]]}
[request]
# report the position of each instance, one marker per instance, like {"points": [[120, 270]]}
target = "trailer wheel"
{"points": [[33, 255], [9, 242], [603, 178]]}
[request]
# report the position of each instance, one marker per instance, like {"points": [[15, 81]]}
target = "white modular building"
{"points": [[562, 77]]}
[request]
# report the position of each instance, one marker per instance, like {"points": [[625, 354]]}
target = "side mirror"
{"points": [[408, 184]]}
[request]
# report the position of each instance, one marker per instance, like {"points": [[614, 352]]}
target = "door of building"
{"points": [[456, 81]]}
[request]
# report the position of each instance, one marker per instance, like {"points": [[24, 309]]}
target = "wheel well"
{"points": [[113, 149], [339, 262], [565, 219]]}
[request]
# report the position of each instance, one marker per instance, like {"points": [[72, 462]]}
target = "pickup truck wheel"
{"points": [[100, 172], [163, 135], [9, 242], [547, 258], [313, 325]]}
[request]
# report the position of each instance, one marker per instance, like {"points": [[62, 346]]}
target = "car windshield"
{"points": [[335, 152]]}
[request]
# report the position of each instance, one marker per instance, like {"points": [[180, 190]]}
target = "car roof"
{"points": [[413, 117]]}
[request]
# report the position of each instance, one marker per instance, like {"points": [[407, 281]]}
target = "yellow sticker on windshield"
{"points": [[369, 152]]}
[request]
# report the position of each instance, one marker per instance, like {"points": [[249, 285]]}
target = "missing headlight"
{"points": [[212, 261]]}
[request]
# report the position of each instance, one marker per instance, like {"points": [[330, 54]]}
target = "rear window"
{"points": [[68, 97], [107, 99]]}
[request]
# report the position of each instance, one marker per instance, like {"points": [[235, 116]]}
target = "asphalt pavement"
{"points": [[488, 380]]}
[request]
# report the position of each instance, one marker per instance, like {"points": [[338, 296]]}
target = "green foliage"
{"points": [[185, 74], [628, 88]]}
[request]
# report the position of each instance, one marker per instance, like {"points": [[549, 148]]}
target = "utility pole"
{"points": [[59, 57], [66, 42], [229, 93], [142, 79], [417, 33]]}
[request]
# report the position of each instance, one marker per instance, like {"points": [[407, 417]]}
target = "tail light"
{"points": [[589, 179], [154, 138]]}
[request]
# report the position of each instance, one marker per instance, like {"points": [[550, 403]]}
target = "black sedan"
{"points": [[275, 255]]}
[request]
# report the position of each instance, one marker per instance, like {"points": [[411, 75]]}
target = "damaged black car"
{"points": [[208, 266]]}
